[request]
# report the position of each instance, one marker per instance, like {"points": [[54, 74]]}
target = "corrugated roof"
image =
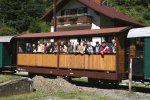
{"points": [[6, 38], [104, 31], [107, 11]]}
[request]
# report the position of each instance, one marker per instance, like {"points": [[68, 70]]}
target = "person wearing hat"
{"points": [[104, 48]]}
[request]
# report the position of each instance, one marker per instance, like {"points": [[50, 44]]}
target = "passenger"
{"points": [[50, 47], [55, 47], [113, 46], [97, 47], [20, 49], [82, 48], [63, 47], [104, 48], [85, 48], [34, 48], [89, 48], [76, 48], [45, 48], [40, 47], [28, 48], [70, 47]]}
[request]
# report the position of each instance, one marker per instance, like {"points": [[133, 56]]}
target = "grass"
{"points": [[4, 78], [80, 79], [43, 95]]}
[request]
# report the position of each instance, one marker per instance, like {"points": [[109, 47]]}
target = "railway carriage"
{"points": [[109, 66], [7, 52], [141, 61]]}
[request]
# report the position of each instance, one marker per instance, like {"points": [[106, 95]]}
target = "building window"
{"points": [[76, 11], [82, 11]]}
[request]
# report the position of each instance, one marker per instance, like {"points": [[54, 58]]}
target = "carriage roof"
{"points": [[103, 31]]}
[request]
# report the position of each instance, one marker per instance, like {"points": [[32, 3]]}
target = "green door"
{"points": [[7, 54], [147, 58], [1, 55]]}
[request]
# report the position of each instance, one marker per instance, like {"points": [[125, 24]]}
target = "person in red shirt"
{"points": [[104, 48]]}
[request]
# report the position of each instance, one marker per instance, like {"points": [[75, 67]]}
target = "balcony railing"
{"points": [[72, 20]]}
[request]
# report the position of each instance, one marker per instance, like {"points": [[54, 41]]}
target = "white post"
{"points": [[130, 76]]}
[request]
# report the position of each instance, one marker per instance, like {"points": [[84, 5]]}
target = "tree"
{"points": [[6, 30], [39, 26], [20, 13], [34, 27]]}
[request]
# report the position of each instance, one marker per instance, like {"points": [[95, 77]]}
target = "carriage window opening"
{"points": [[139, 47], [21, 47], [86, 45]]}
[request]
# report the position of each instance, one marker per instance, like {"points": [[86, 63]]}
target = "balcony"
{"points": [[73, 22]]}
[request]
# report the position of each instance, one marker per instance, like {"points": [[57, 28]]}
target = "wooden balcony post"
{"points": [[54, 14]]}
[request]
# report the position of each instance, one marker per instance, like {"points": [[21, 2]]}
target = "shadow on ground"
{"points": [[142, 89]]}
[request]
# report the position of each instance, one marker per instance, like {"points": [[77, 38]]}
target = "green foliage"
{"points": [[73, 18], [61, 20], [20, 13], [136, 9], [6, 30], [34, 27], [39, 26], [45, 27]]}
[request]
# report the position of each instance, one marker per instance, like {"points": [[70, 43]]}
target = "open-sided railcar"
{"points": [[108, 66]]}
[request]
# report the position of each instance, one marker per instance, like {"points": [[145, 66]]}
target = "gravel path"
{"points": [[63, 85]]}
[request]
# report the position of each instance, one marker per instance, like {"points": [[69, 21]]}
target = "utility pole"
{"points": [[54, 14]]}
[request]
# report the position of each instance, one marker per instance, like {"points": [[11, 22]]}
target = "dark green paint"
{"points": [[5, 54], [147, 58], [1, 55]]}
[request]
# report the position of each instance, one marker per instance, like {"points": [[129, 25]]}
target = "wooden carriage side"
{"points": [[107, 66]]}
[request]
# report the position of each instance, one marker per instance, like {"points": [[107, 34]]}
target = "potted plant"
{"points": [[73, 19], [61, 20]]}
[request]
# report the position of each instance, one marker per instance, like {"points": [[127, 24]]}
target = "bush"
{"points": [[73, 18], [6, 30], [146, 16], [39, 26], [61, 20], [45, 27], [34, 27]]}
